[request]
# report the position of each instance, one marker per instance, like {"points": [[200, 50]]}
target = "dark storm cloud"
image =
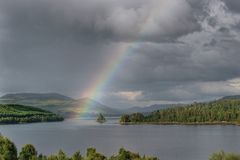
{"points": [[233, 5], [183, 50], [203, 66], [171, 75], [93, 20]]}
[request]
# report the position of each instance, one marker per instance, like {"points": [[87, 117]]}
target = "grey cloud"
{"points": [[91, 20], [182, 71], [233, 5], [179, 47]]}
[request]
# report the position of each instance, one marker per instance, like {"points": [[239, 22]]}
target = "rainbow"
{"points": [[105, 76], [103, 79]]}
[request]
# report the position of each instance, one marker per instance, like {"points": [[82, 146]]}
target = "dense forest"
{"points": [[8, 151], [12, 114], [224, 111]]}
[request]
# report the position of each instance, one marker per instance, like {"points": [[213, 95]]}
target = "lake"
{"points": [[168, 142]]}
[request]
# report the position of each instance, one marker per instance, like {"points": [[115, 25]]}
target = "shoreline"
{"points": [[3, 124], [180, 123], [19, 123]]}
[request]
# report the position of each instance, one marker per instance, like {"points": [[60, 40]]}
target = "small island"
{"points": [[222, 112], [101, 118], [14, 114]]}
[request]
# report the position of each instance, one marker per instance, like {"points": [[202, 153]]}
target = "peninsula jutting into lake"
{"points": [[225, 111]]}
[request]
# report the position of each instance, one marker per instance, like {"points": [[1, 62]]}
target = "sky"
{"points": [[176, 51]]}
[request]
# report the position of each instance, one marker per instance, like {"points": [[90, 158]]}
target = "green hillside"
{"points": [[35, 96], [11, 114], [59, 104], [223, 111]]}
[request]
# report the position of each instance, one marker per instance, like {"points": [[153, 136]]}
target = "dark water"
{"points": [[167, 142]]}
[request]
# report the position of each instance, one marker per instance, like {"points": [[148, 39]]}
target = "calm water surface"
{"points": [[173, 142]]}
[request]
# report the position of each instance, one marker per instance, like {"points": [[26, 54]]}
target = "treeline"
{"points": [[8, 151], [224, 111], [224, 156], [12, 114]]}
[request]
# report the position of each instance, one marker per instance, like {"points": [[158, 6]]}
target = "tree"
{"points": [[42, 157], [224, 156], [77, 156], [93, 155], [125, 118], [27, 152], [101, 118], [123, 154], [127, 155], [52, 157], [8, 150], [61, 155], [137, 117]]}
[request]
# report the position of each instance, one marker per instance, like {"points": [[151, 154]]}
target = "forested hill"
{"points": [[223, 111], [12, 114], [59, 104], [35, 96]]}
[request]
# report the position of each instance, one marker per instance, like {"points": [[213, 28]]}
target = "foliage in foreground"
{"points": [[12, 113], [8, 151], [224, 156], [221, 111]]}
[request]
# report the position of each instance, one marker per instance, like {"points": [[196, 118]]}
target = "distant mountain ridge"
{"points": [[69, 107], [59, 104], [35, 96], [150, 108], [156, 107], [231, 97]]}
